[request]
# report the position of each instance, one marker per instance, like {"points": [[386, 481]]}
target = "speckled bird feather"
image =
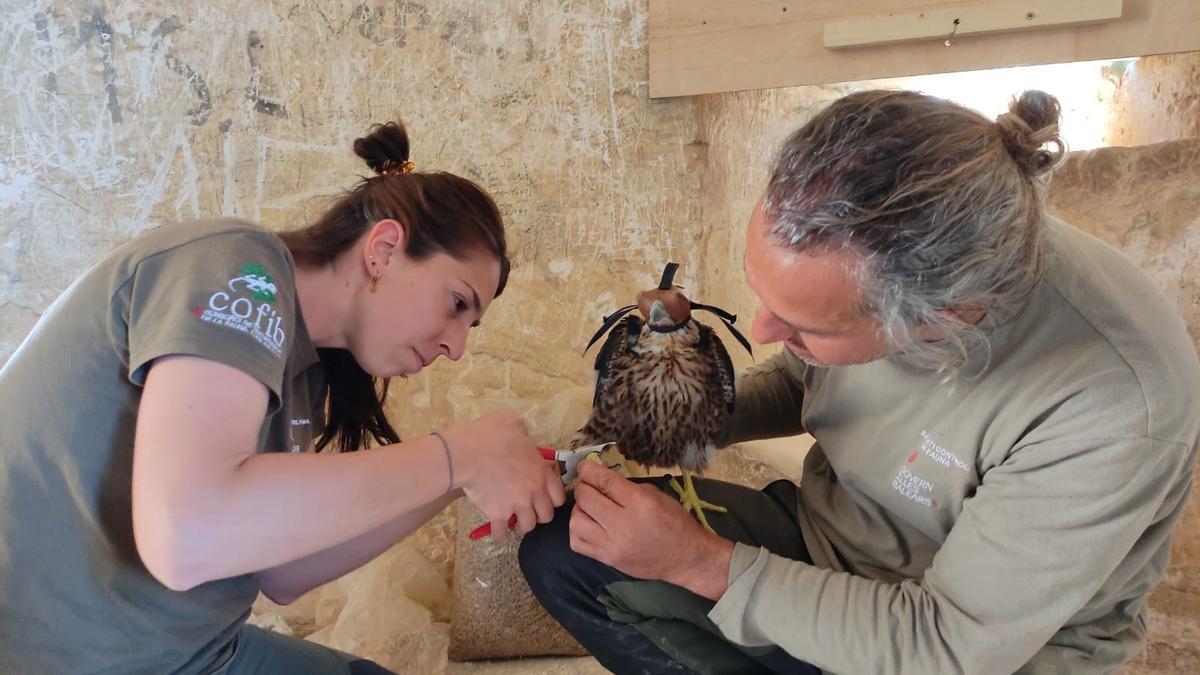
{"points": [[661, 396]]}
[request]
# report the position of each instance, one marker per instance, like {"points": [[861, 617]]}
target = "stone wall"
{"points": [[1155, 99]]}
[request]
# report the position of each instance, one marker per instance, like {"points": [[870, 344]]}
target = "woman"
{"points": [[156, 473]]}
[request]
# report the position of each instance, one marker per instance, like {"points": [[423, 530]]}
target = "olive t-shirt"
{"points": [[1012, 519], [74, 595]]}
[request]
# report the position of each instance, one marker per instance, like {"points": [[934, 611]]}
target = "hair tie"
{"points": [[391, 168]]}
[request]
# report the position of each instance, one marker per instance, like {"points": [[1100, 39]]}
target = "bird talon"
{"points": [[692, 502], [677, 488]]}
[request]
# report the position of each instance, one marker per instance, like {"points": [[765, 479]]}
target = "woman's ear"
{"points": [[384, 240]]}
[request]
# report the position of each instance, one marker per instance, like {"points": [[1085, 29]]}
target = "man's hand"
{"points": [[642, 532]]}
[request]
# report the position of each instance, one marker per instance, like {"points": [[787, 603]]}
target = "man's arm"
{"points": [[1028, 551], [768, 403]]}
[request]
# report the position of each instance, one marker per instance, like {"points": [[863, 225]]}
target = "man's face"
{"points": [[810, 301]]}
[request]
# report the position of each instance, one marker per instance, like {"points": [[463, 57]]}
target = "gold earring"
{"points": [[374, 282]]}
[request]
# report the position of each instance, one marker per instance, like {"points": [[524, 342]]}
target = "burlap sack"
{"points": [[493, 614]]}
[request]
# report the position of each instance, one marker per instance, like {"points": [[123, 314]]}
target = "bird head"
{"points": [[666, 311], [666, 305]]}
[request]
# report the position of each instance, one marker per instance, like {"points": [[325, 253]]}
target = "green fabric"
{"points": [[1010, 519], [74, 595], [677, 621]]}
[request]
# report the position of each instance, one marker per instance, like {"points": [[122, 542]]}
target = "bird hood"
{"points": [[665, 309]]}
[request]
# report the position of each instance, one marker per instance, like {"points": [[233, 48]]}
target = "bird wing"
{"points": [[619, 341], [714, 351]]}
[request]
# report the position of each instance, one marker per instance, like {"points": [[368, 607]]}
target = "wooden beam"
{"points": [[707, 46], [980, 18]]}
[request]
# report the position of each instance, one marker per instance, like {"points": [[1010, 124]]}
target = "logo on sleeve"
{"points": [[256, 279], [248, 307]]}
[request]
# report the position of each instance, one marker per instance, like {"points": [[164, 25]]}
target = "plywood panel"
{"points": [[707, 46], [995, 16]]}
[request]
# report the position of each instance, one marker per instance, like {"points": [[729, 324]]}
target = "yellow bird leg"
{"points": [[691, 501]]}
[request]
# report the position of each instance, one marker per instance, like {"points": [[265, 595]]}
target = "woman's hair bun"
{"points": [[1030, 124], [384, 148]]}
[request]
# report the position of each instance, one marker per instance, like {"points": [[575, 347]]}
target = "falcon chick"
{"points": [[664, 385]]}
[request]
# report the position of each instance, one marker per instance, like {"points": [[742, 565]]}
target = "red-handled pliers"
{"points": [[569, 459]]}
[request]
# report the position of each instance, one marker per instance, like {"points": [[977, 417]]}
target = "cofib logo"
{"points": [[247, 307]]}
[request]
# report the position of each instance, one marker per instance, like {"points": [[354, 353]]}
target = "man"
{"points": [[1002, 409]]}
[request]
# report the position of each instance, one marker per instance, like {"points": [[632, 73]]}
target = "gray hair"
{"points": [[942, 204]]}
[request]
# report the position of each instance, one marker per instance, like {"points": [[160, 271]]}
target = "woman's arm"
{"points": [[285, 583], [206, 506]]}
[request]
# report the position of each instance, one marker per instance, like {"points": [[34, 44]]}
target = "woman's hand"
{"points": [[500, 469]]}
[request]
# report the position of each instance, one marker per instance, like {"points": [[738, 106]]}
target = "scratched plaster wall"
{"points": [[116, 116]]}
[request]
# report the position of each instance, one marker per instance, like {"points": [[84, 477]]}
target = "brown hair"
{"points": [[943, 204], [440, 212]]}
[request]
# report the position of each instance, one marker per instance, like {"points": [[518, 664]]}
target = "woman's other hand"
{"points": [[500, 469]]}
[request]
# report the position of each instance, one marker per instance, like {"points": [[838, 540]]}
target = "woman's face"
{"points": [[421, 309]]}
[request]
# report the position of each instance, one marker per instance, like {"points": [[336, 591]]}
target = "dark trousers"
{"points": [[262, 652], [638, 626]]}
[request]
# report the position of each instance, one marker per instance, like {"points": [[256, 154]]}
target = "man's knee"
{"points": [[547, 548], [367, 667]]}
